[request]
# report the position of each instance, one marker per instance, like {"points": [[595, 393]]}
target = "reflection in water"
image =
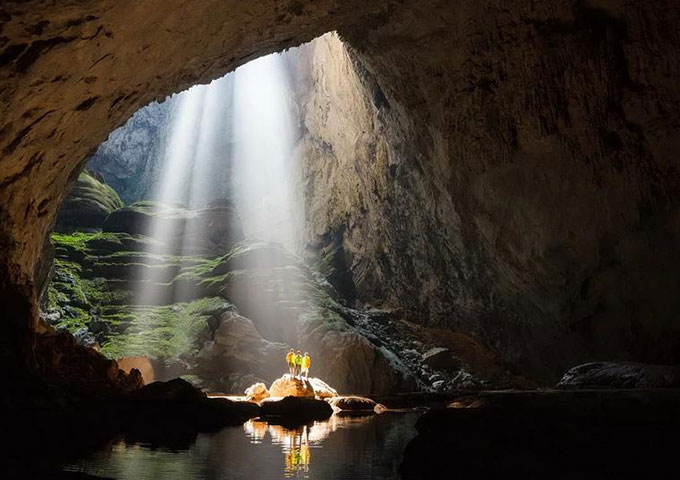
{"points": [[340, 447]]}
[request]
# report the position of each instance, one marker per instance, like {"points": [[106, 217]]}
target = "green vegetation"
{"points": [[164, 332], [92, 189]]}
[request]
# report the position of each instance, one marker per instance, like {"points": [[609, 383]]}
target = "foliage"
{"points": [[163, 332]]}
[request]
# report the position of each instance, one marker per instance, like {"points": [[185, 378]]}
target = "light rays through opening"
{"points": [[232, 139]]}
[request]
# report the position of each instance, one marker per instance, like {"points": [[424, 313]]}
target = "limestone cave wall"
{"points": [[509, 171]]}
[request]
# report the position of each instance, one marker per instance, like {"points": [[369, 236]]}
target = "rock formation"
{"points": [[87, 205], [288, 386], [257, 392], [620, 375]]}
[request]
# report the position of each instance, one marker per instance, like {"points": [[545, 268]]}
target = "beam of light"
{"points": [[263, 146]]}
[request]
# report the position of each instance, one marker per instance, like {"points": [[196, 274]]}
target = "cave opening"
{"points": [[471, 208]]}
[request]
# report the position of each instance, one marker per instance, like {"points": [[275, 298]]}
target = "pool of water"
{"points": [[338, 448]]}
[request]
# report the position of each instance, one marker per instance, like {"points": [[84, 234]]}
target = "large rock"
{"points": [[257, 392], [322, 389], [296, 409], [620, 375], [141, 363], [59, 356], [87, 205], [352, 403], [289, 386], [210, 230], [238, 347], [177, 390], [441, 359]]}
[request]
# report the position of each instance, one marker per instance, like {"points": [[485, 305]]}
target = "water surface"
{"points": [[338, 448]]}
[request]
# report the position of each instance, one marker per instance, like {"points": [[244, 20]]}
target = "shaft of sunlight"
{"points": [[263, 146]]}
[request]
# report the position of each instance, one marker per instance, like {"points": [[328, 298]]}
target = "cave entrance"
{"points": [[179, 250]]}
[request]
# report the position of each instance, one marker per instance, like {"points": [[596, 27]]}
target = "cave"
{"points": [[465, 207]]}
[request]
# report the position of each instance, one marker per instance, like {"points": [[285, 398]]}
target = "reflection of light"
{"points": [[255, 430], [296, 443]]}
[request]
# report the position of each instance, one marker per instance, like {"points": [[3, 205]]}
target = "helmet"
{"points": [[306, 354]]}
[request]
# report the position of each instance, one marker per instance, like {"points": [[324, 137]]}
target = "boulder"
{"points": [[177, 390], [298, 409], [257, 392], [59, 355], [352, 403], [620, 375], [322, 389], [441, 359], [141, 363], [237, 348], [87, 205], [289, 386]]}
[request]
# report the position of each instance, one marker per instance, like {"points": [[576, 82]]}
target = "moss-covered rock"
{"points": [[211, 230], [186, 320], [87, 205]]}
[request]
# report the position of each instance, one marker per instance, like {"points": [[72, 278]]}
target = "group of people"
{"points": [[298, 364]]}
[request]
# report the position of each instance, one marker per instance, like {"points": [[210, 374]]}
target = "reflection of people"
{"points": [[290, 359], [306, 363], [298, 363], [297, 457]]}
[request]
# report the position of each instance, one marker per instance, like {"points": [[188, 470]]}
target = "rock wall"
{"points": [[519, 181], [510, 171]]}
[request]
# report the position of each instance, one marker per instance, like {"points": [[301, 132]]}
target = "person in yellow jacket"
{"points": [[298, 363], [306, 363], [290, 360]]}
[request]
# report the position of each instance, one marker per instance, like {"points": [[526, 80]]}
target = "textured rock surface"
{"points": [[296, 409], [515, 176], [620, 375], [352, 403], [128, 160], [291, 386], [513, 182], [322, 389], [211, 230], [88, 203], [140, 363], [257, 392], [237, 346]]}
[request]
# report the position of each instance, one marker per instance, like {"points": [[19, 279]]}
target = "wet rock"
{"points": [[291, 386], [257, 392], [296, 409], [441, 359], [620, 375], [322, 389], [352, 403]]}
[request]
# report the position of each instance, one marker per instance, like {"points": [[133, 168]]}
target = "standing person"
{"points": [[290, 360], [298, 363], [306, 363]]}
